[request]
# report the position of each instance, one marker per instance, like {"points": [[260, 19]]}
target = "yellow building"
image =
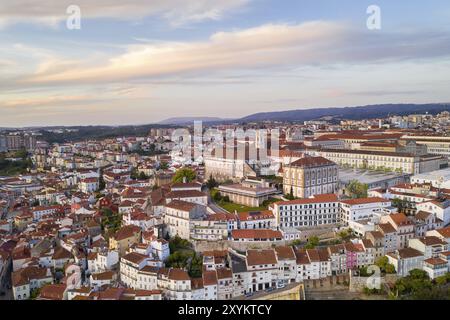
{"points": [[124, 238]]}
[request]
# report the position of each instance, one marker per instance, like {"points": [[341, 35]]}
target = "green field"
{"points": [[231, 207]]}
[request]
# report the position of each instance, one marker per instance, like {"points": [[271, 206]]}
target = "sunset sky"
{"points": [[142, 61]]}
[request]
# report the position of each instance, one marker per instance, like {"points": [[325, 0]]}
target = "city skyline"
{"points": [[146, 61]]}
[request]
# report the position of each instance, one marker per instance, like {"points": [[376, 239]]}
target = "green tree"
{"points": [[401, 204], [312, 242], [211, 183], [290, 196], [101, 182], [356, 189], [184, 174], [143, 176], [163, 166], [384, 265]]}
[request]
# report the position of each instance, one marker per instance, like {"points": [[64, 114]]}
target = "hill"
{"points": [[351, 113]]}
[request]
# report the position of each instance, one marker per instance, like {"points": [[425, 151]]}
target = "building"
{"points": [[429, 246], [435, 267], [309, 212], [437, 178], [405, 260], [440, 209], [248, 193], [89, 185], [392, 161], [263, 268], [403, 227], [362, 208], [310, 176], [124, 238], [179, 215], [28, 279], [256, 235], [437, 145], [256, 220]]}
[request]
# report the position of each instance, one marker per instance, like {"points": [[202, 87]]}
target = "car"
{"points": [[270, 289], [249, 294], [281, 284]]}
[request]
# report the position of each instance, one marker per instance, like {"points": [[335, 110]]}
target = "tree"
{"points": [[290, 196], [163, 166], [211, 183], [101, 182], [312, 242], [345, 235], [143, 176], [184, 174], [356, 189], [401, 204], [384, 265]]}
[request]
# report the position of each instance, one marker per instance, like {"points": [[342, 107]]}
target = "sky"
{"points": [[143, 61]]}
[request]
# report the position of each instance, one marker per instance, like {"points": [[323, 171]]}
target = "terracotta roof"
{"points": [[445, 232], [255, 215], [436, 261], [387, 228], [400, 219], [376, 234], [256, 234], [311, 162], [224, 273], [180, 185], [285, 253], [302, 256], [107, 275], [53, 292], [134, 257], [422, 215], [127, 232], [196, 283], [178, 274], [23, 276], [185, 194], [353, 202], [431, 240], [181, 205], [261, 257], [61, 253], [209, 278], [406, 253]]}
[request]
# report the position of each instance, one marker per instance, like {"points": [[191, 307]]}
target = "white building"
{"points": [[405, 260], [304, 213], [362, 208]]}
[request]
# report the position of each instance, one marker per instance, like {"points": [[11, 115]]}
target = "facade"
{"points": [[304, 213], [405, 260], [393, 161], [363, 208], [179, 215], [310, 176], [249, 193]]}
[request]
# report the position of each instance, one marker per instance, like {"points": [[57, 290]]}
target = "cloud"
{"points": [[316, 43], [176, 12]]}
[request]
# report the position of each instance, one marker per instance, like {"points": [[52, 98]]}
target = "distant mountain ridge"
{"points": [[351, 113], [187, 120]]}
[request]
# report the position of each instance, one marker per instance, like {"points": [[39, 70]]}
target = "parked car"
{"points": [[270, 289], [249, 294], [281, 284]]}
